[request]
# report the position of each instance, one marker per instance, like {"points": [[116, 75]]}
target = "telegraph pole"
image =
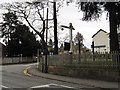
{"points": [[46, 61], [55, 29]]}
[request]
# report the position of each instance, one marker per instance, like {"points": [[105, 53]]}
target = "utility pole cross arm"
{"points": [[65, 26], [69, 27]]}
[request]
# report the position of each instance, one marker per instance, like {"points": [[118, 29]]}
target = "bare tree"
{"points": [[79, 40], [32, 13]]}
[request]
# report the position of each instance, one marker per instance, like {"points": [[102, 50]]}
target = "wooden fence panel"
{"points": [[100, 58], [12, 60]]}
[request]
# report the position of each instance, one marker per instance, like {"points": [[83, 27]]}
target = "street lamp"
{"points": [[70, 27]]}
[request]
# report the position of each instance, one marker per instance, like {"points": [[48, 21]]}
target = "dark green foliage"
{"points": [[25, 40], [20, 41], [8, 26], [92, 10]]}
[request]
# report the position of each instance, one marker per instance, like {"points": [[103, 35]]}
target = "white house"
{"points": [[101, 41]]}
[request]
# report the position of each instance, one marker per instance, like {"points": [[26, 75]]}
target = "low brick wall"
{"points": [[90, 72], [102, 68]]}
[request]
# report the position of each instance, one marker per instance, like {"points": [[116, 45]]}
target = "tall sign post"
{"points": [[70, 27], [71, 45]]}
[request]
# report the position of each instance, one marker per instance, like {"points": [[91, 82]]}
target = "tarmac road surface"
{"points": [[13, 78]]}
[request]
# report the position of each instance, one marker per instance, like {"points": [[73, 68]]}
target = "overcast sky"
{"points": [[87, 29], [71, 14]]}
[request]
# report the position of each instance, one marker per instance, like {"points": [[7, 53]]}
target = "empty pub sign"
{"points": [[66, 46]]}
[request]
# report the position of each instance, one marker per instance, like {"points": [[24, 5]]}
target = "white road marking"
{"points": [[52, 84], [61, 86], [41, 86], [4, 86], [25, 71]]}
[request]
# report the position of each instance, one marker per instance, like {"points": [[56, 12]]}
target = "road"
{"points": [[13, 78]]}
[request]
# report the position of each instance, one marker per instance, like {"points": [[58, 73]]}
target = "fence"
{"points": [[85, 58], [15, 60]]}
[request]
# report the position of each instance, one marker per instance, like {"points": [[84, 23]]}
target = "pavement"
{"points": [[33, 71]]}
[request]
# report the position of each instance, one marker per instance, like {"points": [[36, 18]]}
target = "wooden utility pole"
{"points": [[46, 52], [55, 29]]}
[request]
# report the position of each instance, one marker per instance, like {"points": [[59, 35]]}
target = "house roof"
{"points": [[98, 32]]}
